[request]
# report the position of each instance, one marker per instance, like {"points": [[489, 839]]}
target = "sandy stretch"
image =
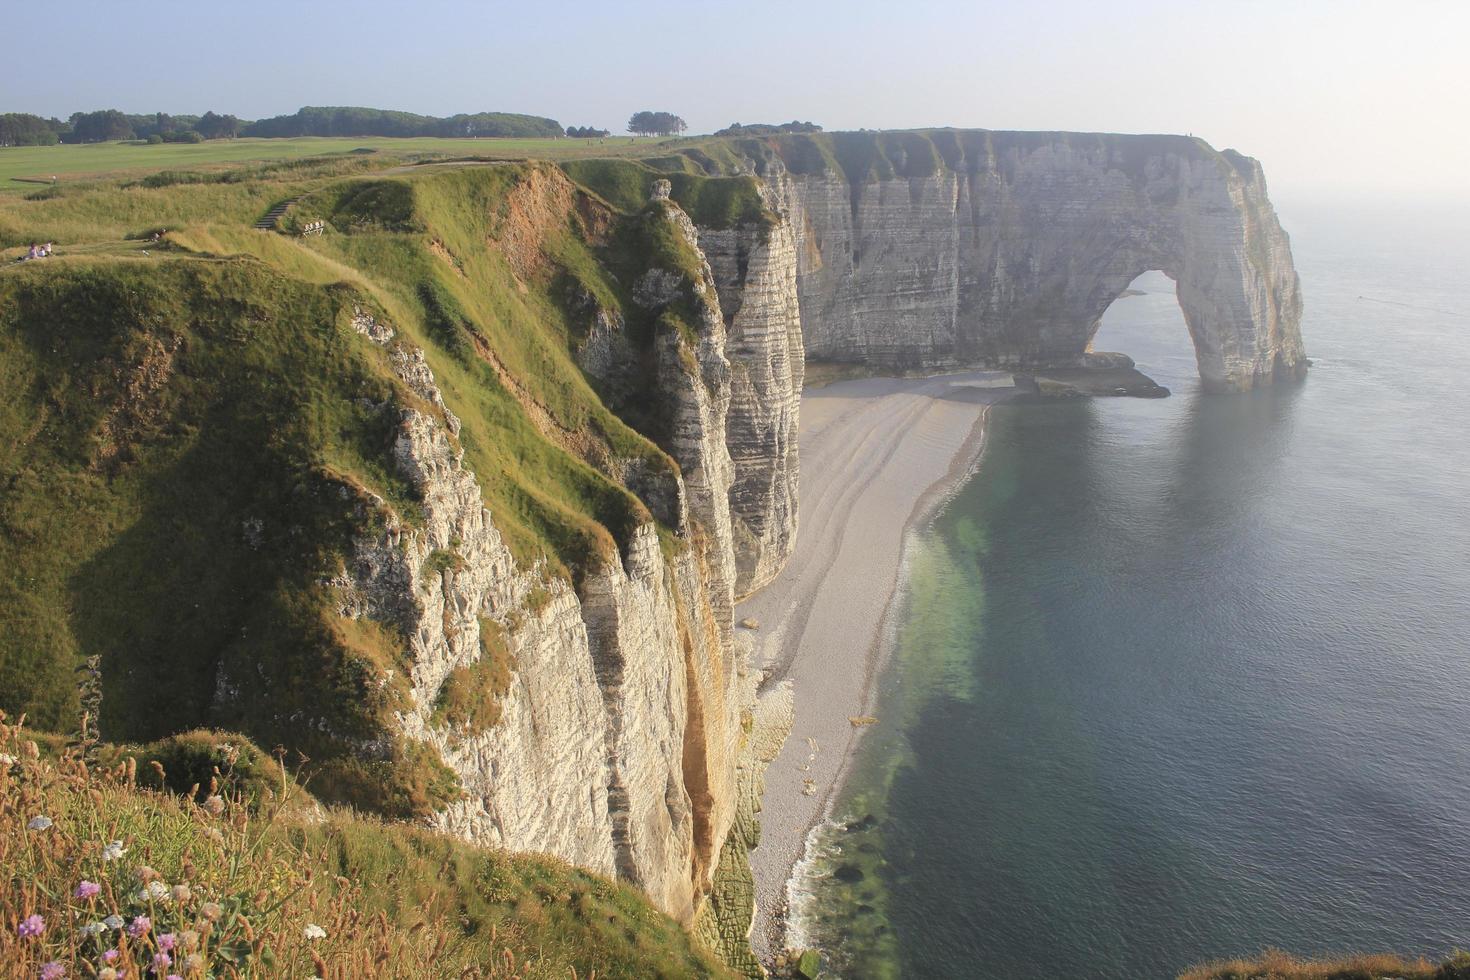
{"points": [[875, 454]]}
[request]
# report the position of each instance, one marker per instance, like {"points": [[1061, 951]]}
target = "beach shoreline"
{"points": [[879, 456]]}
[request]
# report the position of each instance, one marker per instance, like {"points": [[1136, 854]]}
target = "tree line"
{"points": [[27, 129]]}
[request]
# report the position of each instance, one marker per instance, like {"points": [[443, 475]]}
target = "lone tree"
{"points": [[656, 124]]}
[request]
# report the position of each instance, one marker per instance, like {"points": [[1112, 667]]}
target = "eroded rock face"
{"points": [[618, 740], [754, 268], [1008, 252]]}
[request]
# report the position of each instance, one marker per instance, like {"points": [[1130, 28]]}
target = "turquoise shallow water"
{"points": [[1189, 678]]}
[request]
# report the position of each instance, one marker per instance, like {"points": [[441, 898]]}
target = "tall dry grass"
{"points": [[102, 878]]}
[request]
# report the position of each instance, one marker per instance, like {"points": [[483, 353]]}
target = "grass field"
{"points": [[95, 160]]}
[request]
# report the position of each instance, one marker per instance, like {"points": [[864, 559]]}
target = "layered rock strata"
{"points": [[619, 740], [754, 267], [930, 250]]}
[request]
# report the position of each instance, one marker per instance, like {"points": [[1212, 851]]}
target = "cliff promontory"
{"points": [[938, 248]]}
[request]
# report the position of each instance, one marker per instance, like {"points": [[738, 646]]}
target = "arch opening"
{"points": [[1146, 323]]}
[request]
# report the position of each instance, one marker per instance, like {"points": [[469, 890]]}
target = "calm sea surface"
{"points": [[1189, 678]]}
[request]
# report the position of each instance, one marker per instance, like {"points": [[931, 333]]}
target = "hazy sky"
{"points": [[1331, 96]]}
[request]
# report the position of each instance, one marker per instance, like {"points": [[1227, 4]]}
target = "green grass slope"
{"points": [[189, 429], [259, 886]]}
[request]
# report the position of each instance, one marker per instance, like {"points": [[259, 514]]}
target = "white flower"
{"points": [[6, 759], [154, 891], [39, 823], [113, 922], [314, 931], [94, 928], [114, 851]]}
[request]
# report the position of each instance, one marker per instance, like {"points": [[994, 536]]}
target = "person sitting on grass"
{"points": [[33, 252]]}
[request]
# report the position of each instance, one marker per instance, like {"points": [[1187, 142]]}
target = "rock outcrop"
{"points": [[617, 742], [754, 266], [941, 248]]}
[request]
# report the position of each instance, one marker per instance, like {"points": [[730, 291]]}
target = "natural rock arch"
{"points": [[1005, 248]]}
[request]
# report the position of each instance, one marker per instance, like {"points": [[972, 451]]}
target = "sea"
{"points": [[1185, 679]]}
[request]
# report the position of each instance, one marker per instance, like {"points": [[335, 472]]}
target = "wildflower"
{"points": [[214, 836], [113, 921], [108, 973], [193, 963], [110, 956], [7, 760], [166, 942], [188, 939], [182, 893], [211, 911], [154, 891], [39, 823], [139, 926], [53, 971], [214, 806], [87, 889], [314, 931], [93, 929], [145, 874], [31, 925], [31, 750], [114, 851], [162, 961]]}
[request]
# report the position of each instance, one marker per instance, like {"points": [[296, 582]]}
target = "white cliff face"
{"points": [[697, 390], [754, 267], [537, 780], [633, 627], [1009, 255], [619, 738]]}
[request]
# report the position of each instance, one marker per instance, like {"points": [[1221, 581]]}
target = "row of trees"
{"points": [[358, 121], [25, 129], [769, 129]]}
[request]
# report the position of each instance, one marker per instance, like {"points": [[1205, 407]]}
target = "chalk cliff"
{"points": [[754, 266], [938, 248], [617, 741]]}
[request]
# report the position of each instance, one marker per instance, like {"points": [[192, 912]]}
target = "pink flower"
{"points": [[166, 942], [53, 971], [109, 956], [31, 925], [162, 961], [140, 926], [88, 889]]}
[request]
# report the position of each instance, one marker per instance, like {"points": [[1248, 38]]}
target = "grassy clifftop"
{"points": [[192, 432]]}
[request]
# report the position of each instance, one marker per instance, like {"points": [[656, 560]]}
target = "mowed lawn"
{"points": [[76, 162]]}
